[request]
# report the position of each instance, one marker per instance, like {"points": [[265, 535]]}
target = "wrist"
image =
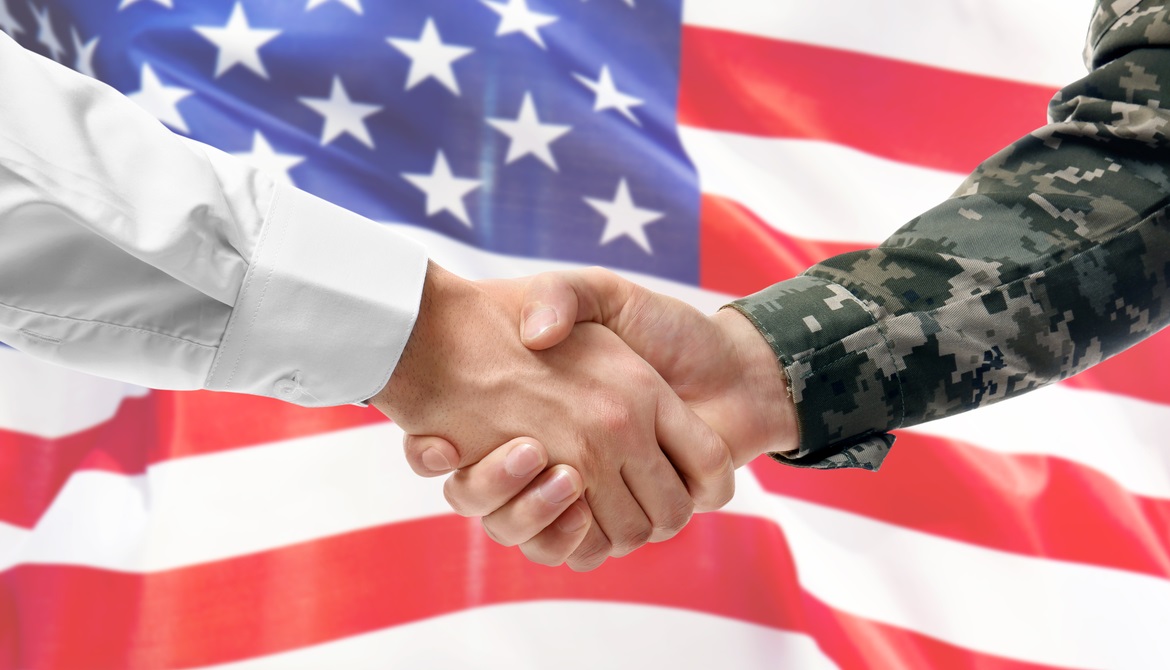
{"points": [[442, 295], [763, 387]]}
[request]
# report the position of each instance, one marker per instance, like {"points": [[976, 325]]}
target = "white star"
{"points": [[342, 115], [515, 17], [126, 3], [265, 159], [45, 33], [528, 135], [8, 22], [608, 97], [429, 57], [238, 43], [444, 191], [83, 62], [161, 101], [622, 217], [355, 5]]}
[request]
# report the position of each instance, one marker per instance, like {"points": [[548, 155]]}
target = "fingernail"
{"points": [[558, 489], [435, 461], [572, 520], [538, 322], [522, 460]]}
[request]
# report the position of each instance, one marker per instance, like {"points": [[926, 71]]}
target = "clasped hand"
{"points": [[642, 405]]}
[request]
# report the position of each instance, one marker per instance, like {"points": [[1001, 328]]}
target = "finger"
{"points": [[483, 487], [430, 456], [619, 515], [700, 456], [593, 550], [555, 301], [538, 506], [553, 545], [661, 494]]}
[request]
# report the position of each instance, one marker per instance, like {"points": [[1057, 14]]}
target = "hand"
{"points": [[644, 459], [720, 365]]}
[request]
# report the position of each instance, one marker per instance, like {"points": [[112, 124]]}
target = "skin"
{"points": [[719, 365], [627, 447]]}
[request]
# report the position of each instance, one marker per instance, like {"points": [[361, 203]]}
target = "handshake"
{"points": [[583, 415]]}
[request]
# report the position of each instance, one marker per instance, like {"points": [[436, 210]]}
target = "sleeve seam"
{"points": [[119, 326]]}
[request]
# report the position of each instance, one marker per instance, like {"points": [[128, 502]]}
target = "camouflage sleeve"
{"points": [[1052, 256]]}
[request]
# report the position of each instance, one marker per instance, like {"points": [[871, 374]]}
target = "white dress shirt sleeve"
{"points": [[133, 253]]}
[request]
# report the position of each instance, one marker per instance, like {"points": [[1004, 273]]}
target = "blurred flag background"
{"points": [[704, 147]]}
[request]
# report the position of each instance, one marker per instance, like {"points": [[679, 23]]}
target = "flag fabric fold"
{"points": [[706, 148]]}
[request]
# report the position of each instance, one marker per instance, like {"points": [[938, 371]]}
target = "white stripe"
{"points": [[815, 190], [1121, 437], [569, 635], [50, 401], [227, 504], [473, 263], [1036, 41], [212, 507], [1039, 610], [12, 543]]}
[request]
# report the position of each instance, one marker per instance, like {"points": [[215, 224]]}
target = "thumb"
{"points": [[555, 301]]}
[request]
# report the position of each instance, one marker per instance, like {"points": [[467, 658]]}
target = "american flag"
{"points": [[704, 147]]}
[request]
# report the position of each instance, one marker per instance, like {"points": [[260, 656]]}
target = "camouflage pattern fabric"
{"points": [[1051, 257]]}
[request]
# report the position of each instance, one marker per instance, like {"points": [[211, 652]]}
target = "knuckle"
{"points": [[613, 415], [589, 555], [722, 495], [716, 484], [675, 519], [715, 459], [633, 537]]}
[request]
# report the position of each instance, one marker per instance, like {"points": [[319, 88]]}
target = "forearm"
{"points": [[133, 253], [1050, 257]]}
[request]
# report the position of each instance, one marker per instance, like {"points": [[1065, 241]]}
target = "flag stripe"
{"points": [[52, 401], [203, 509], [1037, 506], [797, 186], [996, 38], [740, 254], [1122, 438], [1039, 610], [340, 586], [596, 630], [195, 510], [159, 427], [901, 111]]}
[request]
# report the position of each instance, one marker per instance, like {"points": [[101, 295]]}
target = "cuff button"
{"points": [[286, 388]]}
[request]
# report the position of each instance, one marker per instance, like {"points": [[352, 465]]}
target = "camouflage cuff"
{"points": [[841, 372]]}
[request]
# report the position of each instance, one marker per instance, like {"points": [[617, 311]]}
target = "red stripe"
{"points": [[740, 254], [738, 567], [1037, 506], [162, 426], [906, 112]]}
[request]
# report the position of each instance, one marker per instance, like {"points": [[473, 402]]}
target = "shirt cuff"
{"points": [[326, 307], [842, 373]]}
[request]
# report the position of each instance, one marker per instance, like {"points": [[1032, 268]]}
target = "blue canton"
{"points": [[538, 128]]}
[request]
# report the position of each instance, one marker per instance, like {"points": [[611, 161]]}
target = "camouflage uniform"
{"points": [[1051, 256]]}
